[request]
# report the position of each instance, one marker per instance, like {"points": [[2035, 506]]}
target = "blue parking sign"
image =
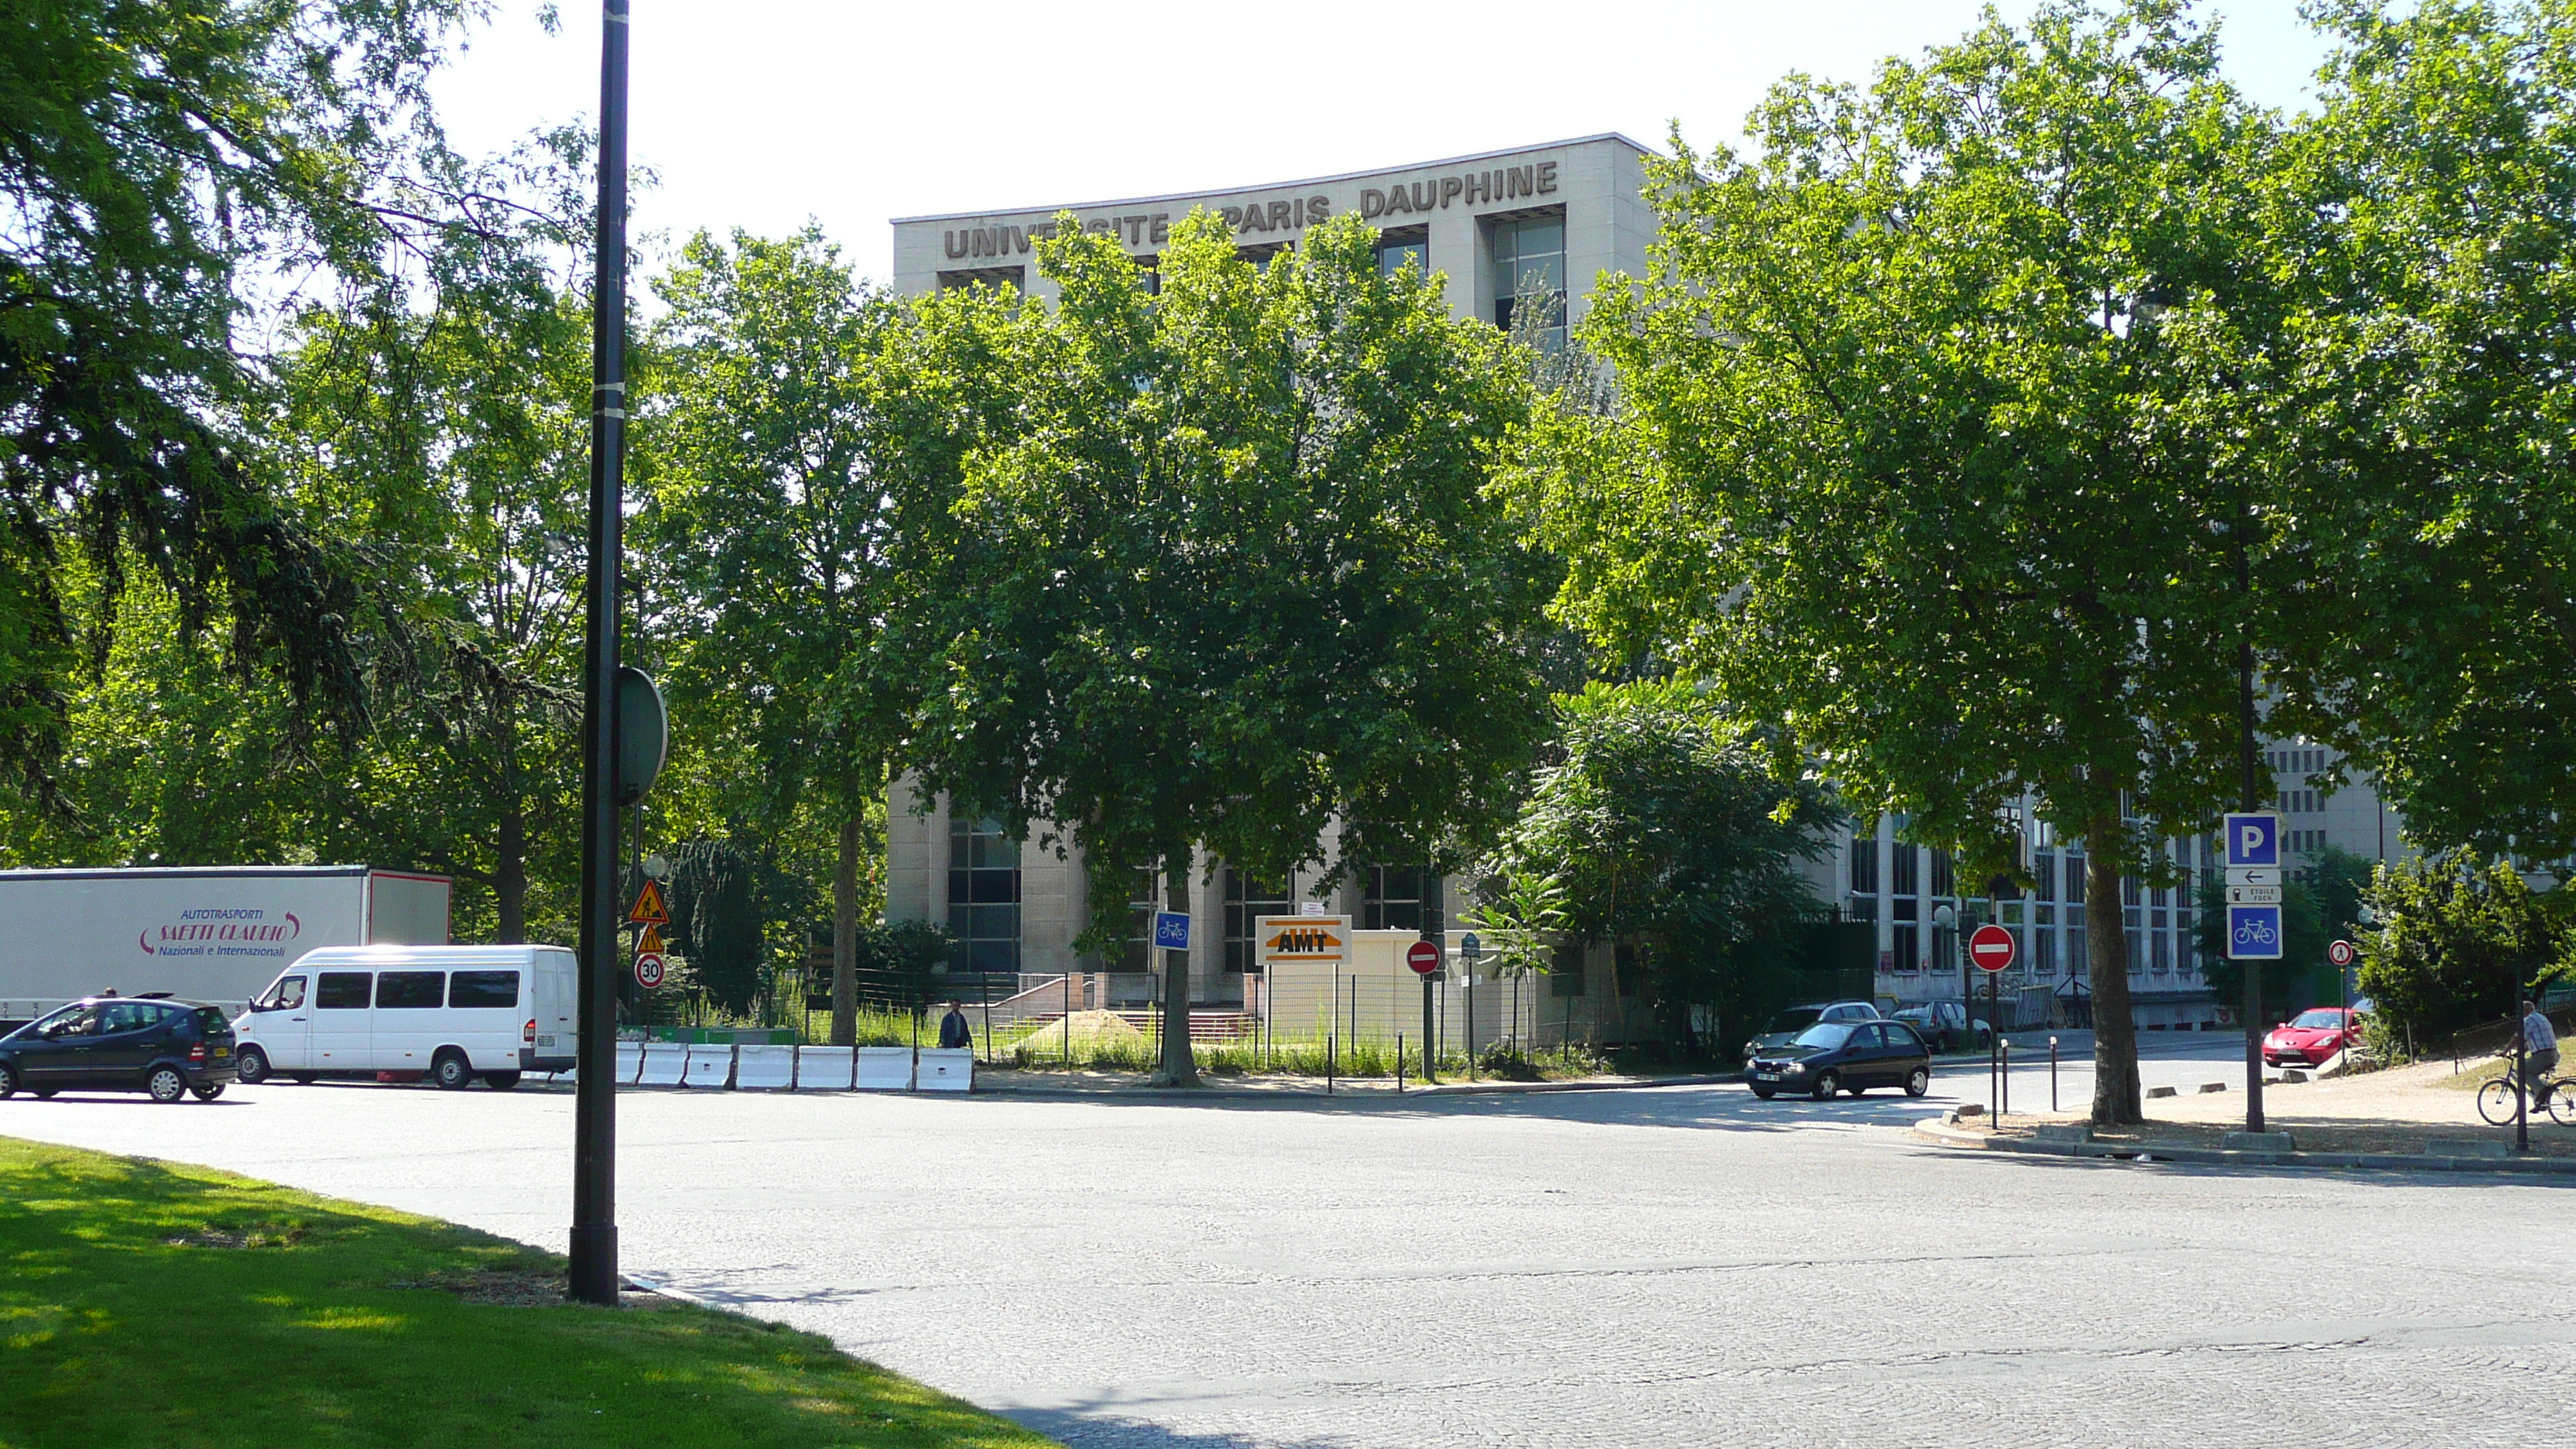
{"points": [[1171, 931], [2253, 839], [2254, 933]]}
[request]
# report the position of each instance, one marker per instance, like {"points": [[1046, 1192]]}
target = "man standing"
{"points": [[953, 1031], [2539, 1043]]}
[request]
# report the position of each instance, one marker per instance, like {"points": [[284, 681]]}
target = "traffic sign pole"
{"points": [[2254, 927], [1424, 958]]}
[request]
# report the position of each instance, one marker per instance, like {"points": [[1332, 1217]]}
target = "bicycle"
{"points": [[2557, 1098]]}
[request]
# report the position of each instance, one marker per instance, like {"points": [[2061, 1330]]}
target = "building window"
{"points": [[1864, 865], [1142, 898], [1401, 898], [2074, 880], [1404, 247], [1908, 961], [2043, 946], [2043, 869], [1901, 874], [1529, 261], [983, 897], [1565, 973], [1945, 879], [1004, 279], [2186, 959], [1246, 900]]}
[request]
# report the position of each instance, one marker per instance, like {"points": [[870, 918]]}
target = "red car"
{"points": [[2312, 1037]]}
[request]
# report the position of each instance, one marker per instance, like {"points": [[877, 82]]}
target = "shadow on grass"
{"points": [[146, 1303]]}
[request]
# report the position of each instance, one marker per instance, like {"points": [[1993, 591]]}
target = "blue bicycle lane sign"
{"points": [[2254, 848]]}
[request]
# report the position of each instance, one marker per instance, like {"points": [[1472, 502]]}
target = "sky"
{"points": [[764, 114]]}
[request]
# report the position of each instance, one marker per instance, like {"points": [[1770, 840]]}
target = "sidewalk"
{"points": [[1119, 1084]]}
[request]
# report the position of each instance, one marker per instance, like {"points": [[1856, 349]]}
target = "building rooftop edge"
{"points": [[1622, 139]]}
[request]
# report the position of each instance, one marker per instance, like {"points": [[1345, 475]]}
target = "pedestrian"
{"points": [[2539, 1043], [953, 1031]]}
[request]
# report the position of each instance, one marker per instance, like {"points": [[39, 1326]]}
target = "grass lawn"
{"points": [[149, 1303]]}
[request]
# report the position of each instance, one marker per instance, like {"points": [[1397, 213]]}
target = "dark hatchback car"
{"points": [[153, 1044], [1844, 1056]]}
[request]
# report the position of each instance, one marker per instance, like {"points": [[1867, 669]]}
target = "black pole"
{"points": [[594, 1151], [2245, 720], [2522, 1093], [1429, 1072]]}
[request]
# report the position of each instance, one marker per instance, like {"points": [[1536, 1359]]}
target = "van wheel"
{"points": [[500, 1081], [451, 1071], [305, 1079], [165, 1084], [251, 1064]]}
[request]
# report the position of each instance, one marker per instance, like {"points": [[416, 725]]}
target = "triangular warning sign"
{"points": [[652, 941], [648, 906]]}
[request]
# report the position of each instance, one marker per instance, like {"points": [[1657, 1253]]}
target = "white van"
{"points": [[454, 1012]]}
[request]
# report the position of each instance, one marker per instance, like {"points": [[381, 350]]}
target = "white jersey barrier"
{"points": [[885, 1069], [710, 1066], [823, 1069], [764, 1068], [946, 1069], [664, 1061], [630, 1060]]}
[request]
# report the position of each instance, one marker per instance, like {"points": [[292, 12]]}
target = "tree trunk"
{"points": [[845, 937], [1180, 1068], [2116, 1094], [510, 877]]}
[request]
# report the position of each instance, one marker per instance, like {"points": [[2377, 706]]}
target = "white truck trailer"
{"points": [[212, 933]]}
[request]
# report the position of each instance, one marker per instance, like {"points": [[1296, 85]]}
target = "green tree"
{"points": [[1233, 578], [1905, 456], [156, 153], [782, 436], [2416, 430], [2461, 939], [1523, 921], [1674, 840]]}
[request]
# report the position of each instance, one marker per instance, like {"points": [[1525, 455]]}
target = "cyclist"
{"points": [[2539, 1043]]}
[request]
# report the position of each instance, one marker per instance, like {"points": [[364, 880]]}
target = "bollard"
{"points": [[2003, 1050], [2052, 1073], [1399, 1064], [1328, 1063]]}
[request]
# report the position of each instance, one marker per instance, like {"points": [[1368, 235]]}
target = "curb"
{"points": [[1373, 1091], [1941, 1134]]}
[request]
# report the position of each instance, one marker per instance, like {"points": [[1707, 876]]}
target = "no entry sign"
{"points": [[1991, 948], [1423, 957]]}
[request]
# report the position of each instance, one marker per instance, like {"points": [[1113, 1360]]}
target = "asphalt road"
{"points": [[1678, 1266]]}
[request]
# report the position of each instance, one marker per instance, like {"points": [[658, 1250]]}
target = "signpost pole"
{"points": [[1429, 1068], [594, 1153], [2253, 969]]}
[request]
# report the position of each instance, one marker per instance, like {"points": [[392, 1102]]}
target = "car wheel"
{"points": [[1765, 1093], [1918, 1081], [452, 1072], [8, 1081], [252, 1066], [209, 1092], [1827, 1085], [165, 1084], [500, 1081]]}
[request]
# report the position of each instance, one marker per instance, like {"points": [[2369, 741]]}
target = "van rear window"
{"points": [[409, 990], [344, 990], [483, 988]]}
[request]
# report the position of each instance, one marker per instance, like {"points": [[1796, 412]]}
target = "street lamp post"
{"points": [[594, 1152]]}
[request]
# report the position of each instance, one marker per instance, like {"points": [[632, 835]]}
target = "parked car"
{"points": [[1785, 1026], [157, 1044], [1946, 1025], [2311, 1037], [1845, 1056]]}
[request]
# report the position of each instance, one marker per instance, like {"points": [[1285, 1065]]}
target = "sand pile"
{"points": [[1090, 1028]]}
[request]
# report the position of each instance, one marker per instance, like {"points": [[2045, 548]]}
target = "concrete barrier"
{"points": [[824, 1068], [885, 1069], [764, 1068], [710, 1066], [630, 1060], [946, 1069], [665, 1063]]}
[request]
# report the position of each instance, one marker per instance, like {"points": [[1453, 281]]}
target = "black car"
{"points": [[1844, 1056], [153, 1044]]}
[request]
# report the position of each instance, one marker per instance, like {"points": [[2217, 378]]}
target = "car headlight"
{"points": [[1794, 1068]]}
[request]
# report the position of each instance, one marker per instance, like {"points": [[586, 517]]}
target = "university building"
{"points": [[1494, 226]]}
